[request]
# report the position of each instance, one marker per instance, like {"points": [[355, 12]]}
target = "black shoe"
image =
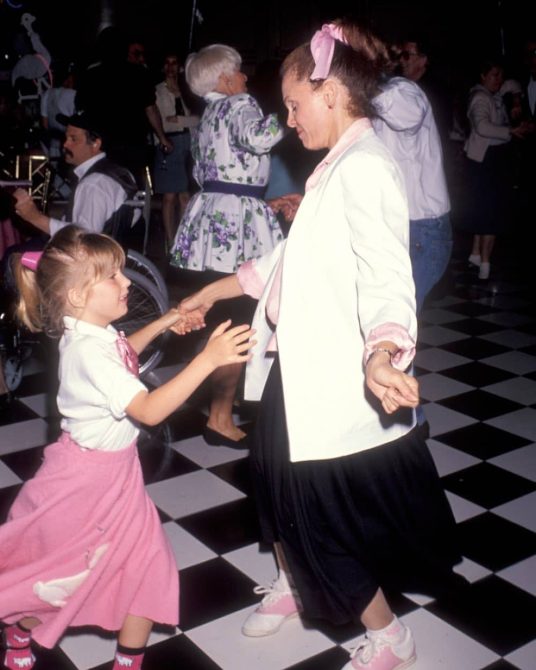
{"points": [[215, 439]]}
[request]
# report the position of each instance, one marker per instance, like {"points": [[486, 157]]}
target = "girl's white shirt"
{"points": [[95, 387]]}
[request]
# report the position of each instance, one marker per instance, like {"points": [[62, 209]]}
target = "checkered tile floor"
{"points": [[477, 368]]}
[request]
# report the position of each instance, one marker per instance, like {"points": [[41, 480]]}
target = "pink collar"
{"points": [[349, 137]]}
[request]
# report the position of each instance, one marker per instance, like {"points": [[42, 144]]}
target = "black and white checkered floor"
{"points": [[477, 368]]}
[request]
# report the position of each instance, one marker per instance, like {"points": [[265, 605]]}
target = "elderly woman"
{"points": [[345, 485], [227, 222]]}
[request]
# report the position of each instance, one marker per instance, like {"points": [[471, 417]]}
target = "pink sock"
{"points": [[16, 638], [124, 661], [19, 659]]}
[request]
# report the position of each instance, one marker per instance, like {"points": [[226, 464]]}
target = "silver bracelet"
{"points": [[381, 349]]}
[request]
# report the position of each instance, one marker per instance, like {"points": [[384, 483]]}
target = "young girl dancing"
{"points": [[83, 544]]}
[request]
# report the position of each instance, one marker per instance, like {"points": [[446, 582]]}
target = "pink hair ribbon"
{"points": [[322, 47], [30, 259]]}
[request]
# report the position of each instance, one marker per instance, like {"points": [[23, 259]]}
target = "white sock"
{"points": [[393, 632], [283, 580]]}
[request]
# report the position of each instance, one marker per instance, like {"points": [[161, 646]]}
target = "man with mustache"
{"points": [[97, 201]]}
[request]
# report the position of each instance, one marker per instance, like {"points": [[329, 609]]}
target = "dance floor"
{"points": [[476, 363]]}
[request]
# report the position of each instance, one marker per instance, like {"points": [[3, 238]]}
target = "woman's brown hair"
{"points": [[358, 65]]}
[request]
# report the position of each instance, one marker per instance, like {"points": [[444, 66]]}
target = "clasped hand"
{"points": [[392, 387], [181, 322], [287, 205]]}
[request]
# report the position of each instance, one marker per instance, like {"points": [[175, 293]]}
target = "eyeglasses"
{"points": [[406, 55]]}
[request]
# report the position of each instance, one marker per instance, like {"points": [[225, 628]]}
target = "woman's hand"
{"points": [[287, 205], [393, 387], [195, 307], [522, 130], [179, 322], [229, 345]]}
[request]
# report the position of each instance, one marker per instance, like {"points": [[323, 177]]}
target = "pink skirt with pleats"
{"points": [[83, 545]]}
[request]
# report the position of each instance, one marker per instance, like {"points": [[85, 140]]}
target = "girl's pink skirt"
{"points": [[83, 545]]}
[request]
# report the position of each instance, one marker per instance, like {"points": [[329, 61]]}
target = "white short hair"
{"points": [[203, 68]]}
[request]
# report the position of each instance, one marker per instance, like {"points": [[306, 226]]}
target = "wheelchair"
{"points": [[148, 300]]}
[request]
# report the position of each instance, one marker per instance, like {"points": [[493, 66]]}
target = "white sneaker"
{"points": [[483, 273], [378, 653], [474, 259], [277, 606]]}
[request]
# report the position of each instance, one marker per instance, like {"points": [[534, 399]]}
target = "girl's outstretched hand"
{"points": [[229, 345], [393, 387]]}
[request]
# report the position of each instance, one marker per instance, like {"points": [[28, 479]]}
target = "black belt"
{"points": [[231, 188], [177, 132]]}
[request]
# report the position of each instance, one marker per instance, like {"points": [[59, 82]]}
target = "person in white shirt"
{"points": [[102, 188], [406, 124], [83, 544], [346, 489]]}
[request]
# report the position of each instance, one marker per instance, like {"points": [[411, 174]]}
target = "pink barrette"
{"points": [[30, 259], [322, 47]]}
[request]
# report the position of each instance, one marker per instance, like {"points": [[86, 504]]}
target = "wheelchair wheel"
{"points": [[140, 263], [145, 304], [12, 372]]}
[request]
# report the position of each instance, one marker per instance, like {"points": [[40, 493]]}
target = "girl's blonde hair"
{"points": [[73, 259]]}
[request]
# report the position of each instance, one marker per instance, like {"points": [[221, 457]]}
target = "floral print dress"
{"points": [[220, 231]]}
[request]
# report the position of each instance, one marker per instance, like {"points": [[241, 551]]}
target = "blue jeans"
{"points": [[430, 248], [430, 243]]}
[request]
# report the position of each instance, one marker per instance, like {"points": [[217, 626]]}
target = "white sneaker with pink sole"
{"points": [[277, 606]]}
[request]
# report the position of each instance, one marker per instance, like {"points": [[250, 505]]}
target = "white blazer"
{"points": [[489, 123], [346, 270]]}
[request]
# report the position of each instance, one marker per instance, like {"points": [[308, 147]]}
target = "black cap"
{"points": [[81, 120]]}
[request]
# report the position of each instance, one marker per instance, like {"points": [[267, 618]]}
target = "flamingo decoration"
{"points": [[33, 66]]}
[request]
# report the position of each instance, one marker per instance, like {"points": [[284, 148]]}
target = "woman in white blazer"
{"points": [[346, 489]]}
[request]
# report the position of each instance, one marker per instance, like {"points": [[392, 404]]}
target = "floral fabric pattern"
{"points": [[231, 144]]}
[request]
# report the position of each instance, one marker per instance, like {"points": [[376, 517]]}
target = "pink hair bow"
{"points": [[322, 47], [30, 259]]}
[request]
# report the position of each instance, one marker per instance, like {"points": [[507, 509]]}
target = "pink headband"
{"points": [[322, 47], [30, 259]]}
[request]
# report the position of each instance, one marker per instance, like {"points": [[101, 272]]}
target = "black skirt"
{"points": [[491, 186], [349, 525]]}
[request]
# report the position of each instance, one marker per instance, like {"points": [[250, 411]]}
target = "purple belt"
{"points": [[230, 188]]}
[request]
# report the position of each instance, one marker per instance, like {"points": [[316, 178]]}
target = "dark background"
{"points": [[458, 31]]}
